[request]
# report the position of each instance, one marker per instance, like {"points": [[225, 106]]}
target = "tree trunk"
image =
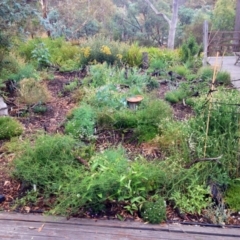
{"points": [[173, 24], [44, 13]]}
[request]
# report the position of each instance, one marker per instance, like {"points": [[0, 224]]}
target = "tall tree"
{"points": [[172, 22]]}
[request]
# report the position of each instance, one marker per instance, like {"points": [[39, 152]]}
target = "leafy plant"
{"points": [[9, 127], [82, 123], [41, 55], [193, 201]]}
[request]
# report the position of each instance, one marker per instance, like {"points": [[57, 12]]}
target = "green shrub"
{"points": [[112, 178], [190, 50], [223, 77], [82, 123], [27, 71], [43, 161], [168, 56], [41, 55], [175, 95], [193, 201], [134, 56], [232, 197], [154, 211], [32, 91], [181, 70], [100, 49], [205, 73], [9, 127], [60, 52], [71, 86]]}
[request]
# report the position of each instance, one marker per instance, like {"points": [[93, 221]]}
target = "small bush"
{"points": [[223, 77], [41, 55], [181, 70], [9, 127], [175, 95], [32, 92], [27, 71], [82, 123], [193, 201], [42, 162], [154, 211], [99, 50], [134, 56], [205, 73]]}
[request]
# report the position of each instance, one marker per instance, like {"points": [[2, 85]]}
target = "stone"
{"points": [[3, 108]]}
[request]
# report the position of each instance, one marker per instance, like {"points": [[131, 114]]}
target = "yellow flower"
{"points": [[119, 56], [86, 52], [106, 50]]}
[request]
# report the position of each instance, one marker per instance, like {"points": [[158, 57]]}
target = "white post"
{"points": [[205, 42]]}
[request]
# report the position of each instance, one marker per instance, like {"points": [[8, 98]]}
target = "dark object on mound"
{"points": [[2, 198]]}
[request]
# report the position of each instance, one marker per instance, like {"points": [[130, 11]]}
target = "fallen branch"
{"points": [[84, 162], [204, 160]]}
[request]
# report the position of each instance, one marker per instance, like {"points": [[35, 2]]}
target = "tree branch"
{"points": [[204, 160], [157, 12]]}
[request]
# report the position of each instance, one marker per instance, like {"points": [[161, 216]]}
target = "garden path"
{"points": [[37, 227], [227, 64]]}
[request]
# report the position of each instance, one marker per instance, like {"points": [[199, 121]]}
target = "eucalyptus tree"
{"points": [[74, 19], [171, 20], [224, 15], [134, 20]]}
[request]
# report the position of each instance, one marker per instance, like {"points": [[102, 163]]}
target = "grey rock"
{"points": [[3, 108]]}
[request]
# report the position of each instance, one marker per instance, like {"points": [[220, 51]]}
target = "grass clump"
{"points": [[9, 127], [205, 73], [32, 91], [175, 95], [223, 77]]}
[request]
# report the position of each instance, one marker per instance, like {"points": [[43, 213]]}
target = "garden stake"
{"points": [[210, 96]]}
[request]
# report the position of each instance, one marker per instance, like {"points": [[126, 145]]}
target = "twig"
{"points": [[204, 160], [41, 228]]}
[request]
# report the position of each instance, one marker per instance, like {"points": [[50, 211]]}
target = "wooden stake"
{"points": [[210, 103]]}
